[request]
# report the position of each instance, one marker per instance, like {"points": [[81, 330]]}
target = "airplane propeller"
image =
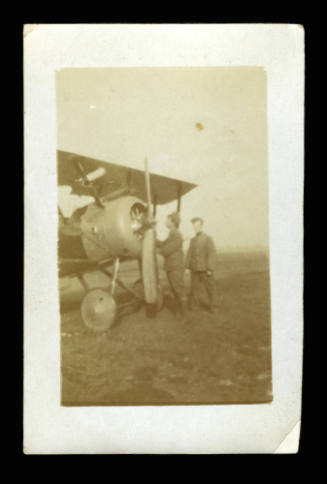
{"points": [[149, 261]]}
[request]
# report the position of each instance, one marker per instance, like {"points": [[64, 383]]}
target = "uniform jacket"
{"points": [[201, 255], [172, 250]]}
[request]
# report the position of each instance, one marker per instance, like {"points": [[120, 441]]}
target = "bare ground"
{"points": [[221, 358]]}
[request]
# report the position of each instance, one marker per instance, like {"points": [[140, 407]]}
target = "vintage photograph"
{"points": [[163, 236]]}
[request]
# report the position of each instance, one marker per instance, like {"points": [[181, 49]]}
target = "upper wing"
{"points": [[71, 166]]}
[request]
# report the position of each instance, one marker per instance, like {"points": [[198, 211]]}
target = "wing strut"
{"points": [[155, 205], [149, 261], [114, 279], [88, 183], [179, 197]]}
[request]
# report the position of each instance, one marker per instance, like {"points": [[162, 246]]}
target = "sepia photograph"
{"points": [[163, 236]]}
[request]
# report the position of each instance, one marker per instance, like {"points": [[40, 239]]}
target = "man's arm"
{"points": [[212, 254], [171, 245], [188, 256], [160, 243]]}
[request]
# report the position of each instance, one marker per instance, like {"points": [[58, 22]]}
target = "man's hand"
{"points": [[149, 224]]}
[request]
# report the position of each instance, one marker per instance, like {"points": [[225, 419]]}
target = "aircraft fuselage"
{"points": [[104, 232]]}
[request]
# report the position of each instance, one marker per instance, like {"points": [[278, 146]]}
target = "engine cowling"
{"points": [[113, 231]]}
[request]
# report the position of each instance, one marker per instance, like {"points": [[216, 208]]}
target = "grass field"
{"points": [[214, 359]]}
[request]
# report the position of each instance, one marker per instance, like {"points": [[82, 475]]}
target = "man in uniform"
{"points": [[172, 250], [200, 260]]}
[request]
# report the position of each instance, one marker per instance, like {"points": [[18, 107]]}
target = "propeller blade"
{"points": [[149, 260], [149, 267], [147, 186]]}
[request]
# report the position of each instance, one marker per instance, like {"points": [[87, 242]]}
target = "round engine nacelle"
{"points": [[113, 231]]}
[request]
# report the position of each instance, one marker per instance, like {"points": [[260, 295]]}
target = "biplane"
{"points": [[118, 225]]}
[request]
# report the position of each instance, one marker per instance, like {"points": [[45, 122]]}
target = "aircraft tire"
{"points": [[98, 309]]}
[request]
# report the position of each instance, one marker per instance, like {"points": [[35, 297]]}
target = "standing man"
{"points": [[172, 250], [200, 259]]}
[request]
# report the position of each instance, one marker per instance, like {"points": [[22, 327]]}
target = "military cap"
{"points": [[175, 218], [197, 219]]}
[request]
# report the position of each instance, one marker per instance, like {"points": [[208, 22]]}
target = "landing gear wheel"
{"points": [[98, 309]]}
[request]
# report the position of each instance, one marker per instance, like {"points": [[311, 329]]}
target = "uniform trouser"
{"points": [[198, 280], [177, 286]]}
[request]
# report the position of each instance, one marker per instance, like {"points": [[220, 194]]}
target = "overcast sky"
{"points": [[204, 125]]}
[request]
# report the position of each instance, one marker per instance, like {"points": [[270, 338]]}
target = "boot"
{"points": [[183, 311], [193, 305], [210, 307]]}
